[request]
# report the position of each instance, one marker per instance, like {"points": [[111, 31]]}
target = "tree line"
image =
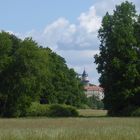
{"points": [[29, 73]]}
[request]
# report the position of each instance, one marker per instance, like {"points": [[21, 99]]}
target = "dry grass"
{"points": [[83, 128]]}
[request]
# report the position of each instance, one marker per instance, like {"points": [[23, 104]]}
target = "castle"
{"points": [[90, 89]]}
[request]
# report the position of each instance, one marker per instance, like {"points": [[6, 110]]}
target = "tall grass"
{"points": [[83, 128]]}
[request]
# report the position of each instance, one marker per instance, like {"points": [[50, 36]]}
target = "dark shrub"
{"points": [[58, 110], [136, 112], [128, 111]]}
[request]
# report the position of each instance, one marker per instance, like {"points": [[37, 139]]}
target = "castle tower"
{"points": [[85, 79]]}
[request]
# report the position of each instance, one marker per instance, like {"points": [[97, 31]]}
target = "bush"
{"points": [[95, 103], [58, 110], [54, 110], [84, 106], [127, 111], [37, 109]]}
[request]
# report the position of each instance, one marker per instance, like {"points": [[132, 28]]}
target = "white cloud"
{"points": [[79, 57], [77, 43], [80, 60], [104, 6], [62, 35], [11, 32], [90, 21]]}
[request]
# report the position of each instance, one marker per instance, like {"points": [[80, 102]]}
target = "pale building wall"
{"points": [[98, 94]]}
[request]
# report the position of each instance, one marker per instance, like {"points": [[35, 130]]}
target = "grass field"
{"points": [[92, 125]]}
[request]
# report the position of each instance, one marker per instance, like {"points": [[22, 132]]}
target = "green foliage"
{"points": [[136, 112], [94, 103], [62, 85], [84, 106], [19, 79], [53, 110], [37, 109], [28, 72], [119, 58], [5, 49], [58, 110], [130, 110]]}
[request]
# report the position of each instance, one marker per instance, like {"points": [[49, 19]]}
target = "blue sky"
{"points": [[24, 15], [68, 27]]}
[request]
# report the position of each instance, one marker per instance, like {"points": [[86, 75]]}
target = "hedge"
{"points": [[53, 110]]}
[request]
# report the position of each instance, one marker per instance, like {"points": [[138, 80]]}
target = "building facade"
{"points": [[90, 89]]}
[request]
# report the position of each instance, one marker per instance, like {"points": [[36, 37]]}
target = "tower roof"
{"points": [[84, 73]]}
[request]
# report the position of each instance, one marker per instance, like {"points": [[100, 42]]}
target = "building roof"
{"points": [[84, 73], [93, 88]]}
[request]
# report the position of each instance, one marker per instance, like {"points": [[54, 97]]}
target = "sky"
{"points": [[68, 27]]}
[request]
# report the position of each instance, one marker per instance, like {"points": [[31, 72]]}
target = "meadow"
{"points": [[92, 125]]}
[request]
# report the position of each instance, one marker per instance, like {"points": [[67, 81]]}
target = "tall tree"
{"points": [[21, 79], [136, 98], [117, 59]]}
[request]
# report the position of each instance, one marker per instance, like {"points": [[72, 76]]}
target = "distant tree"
{"points": [[118, 60], [94, 103]]}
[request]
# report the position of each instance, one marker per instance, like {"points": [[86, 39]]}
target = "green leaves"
{"points": [[5, 49], [28, 72], [118, 57]]}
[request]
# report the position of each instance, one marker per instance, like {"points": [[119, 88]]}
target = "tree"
{"points": [[137, 48], [62, 85], [21, 78], [5, 49], [29, 72], [117, 59], [95, 103]]}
